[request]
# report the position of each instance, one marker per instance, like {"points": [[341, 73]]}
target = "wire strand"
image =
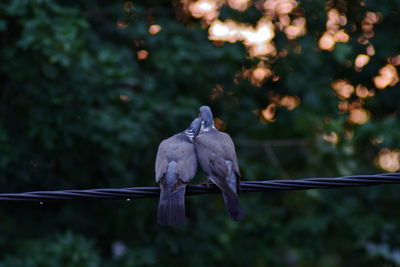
{"points": [[245, 186]]}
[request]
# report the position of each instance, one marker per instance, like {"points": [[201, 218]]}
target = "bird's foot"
{"points": [[205, 183]]}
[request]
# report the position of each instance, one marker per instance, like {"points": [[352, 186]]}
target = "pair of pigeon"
{"points": [[176, 165]]}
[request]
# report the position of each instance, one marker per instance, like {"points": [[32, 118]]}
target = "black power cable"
{"points": [[246, 186]]}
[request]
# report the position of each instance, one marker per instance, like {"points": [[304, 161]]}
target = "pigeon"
{"points": [[217, 157], [176, 164]]}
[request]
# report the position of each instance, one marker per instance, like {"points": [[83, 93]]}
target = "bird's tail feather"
{"points": [[223, 185], [232, 206], [171, 208]]}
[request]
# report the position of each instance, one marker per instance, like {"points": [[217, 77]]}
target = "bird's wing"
{"points": [[161, 160], [187, 161], [218, 165], [230, 152], [211, 156], [222, 184]]}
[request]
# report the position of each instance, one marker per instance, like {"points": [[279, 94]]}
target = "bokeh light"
{"points": [[296, 29], [331, 138], [370, 50], [228, 31], [367, 25], [388, 76], [358, 116], [240, 5], [142, 54], [389, 159], [206, 9], [343, 88], [275, 8], [217, 92], [334, 34], [154, 29], [268, 113], [289, 102], [257, 39], [124, 98], [326, 42], [361, 61], [122, 24], [219, 124], [362, 91], [259, 74], [286, 16]]}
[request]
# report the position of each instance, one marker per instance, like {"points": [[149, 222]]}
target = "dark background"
{"points": [[87, 93]]}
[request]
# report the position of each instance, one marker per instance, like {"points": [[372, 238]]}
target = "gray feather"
{"points": [[217, 157], [176, 164], [171, 208]]}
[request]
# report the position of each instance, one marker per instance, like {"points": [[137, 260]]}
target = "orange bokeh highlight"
{"points": [[362, 91], [206, 9], [217, 92], [260, 74], [358, 116], [257, 39], [370, 50], [388, 76], [388, 159], [360, 61], [289, 102], [154, 29], [343, 88], [268, 113], [275, 8], [240, 5], [122, 24], [142, 54], [296, 29], [326, 42], [333, 33], [219, 124]]}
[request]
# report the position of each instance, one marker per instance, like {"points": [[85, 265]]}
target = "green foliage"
{"points": [[61, 250], [79, 110]]}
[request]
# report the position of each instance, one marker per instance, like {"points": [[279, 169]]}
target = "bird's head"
{"points": [[193, 130], [206, 117]]}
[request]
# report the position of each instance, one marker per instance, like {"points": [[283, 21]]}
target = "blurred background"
{"points": [[305, 88]]}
